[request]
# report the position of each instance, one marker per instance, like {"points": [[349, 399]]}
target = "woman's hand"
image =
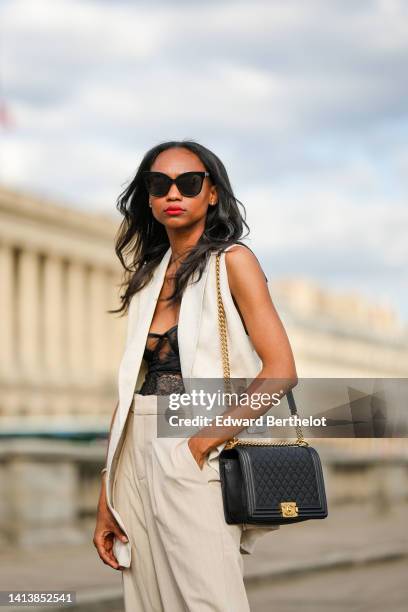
{"points": [[106, 530], [199, 448]]}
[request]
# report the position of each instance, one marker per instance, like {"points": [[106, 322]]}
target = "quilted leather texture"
{"points": [[256, 479]]}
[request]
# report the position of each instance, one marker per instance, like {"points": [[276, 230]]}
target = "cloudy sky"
{"points": [[305, 101]]}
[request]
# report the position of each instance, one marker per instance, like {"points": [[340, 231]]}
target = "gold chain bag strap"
{"points": [[266, 482], [222, 325]]}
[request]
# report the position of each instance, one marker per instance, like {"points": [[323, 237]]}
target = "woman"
{"points": [[160, 514]]}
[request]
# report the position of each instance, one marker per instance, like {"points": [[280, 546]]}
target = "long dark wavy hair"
{"points": [[142, 241]]}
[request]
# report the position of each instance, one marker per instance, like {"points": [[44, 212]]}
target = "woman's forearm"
{"points": [[267, 382]]}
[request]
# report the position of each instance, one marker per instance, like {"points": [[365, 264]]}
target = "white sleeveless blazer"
{"points": [[200, 357]]}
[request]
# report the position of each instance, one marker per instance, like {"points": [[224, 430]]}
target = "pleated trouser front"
{"points": [[184, 555]]}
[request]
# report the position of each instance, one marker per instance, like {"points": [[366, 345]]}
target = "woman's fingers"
{"points": [[106, 530], [103, 542], [119, 534], [102, 547]]}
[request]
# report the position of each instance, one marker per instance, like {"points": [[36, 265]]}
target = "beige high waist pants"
{"points": [[184, 555]]}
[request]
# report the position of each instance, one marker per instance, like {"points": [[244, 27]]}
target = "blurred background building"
{"points": [[59, 347]]}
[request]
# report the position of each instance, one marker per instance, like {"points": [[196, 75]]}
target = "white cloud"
{"points": [[304, 102]]}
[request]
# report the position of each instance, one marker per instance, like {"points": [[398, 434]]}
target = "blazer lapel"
{"points": [[190, 314], [135, 349], [191, 309]]}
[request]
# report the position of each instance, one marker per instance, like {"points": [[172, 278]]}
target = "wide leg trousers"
{"points": [[185, 557]]}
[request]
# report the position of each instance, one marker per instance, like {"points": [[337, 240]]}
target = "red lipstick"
{"points": [[174, 210]]}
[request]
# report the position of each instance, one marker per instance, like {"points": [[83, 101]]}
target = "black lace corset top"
{"points": [[164, 356], [164, 371]]}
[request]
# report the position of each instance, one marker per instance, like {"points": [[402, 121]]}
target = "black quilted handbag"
{"points": [[268, 482]]}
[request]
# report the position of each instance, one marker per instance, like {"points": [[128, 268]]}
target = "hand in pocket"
{"points": [[196, 452]]}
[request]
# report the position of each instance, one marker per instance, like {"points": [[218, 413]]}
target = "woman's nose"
{"points": [[174, 192]]}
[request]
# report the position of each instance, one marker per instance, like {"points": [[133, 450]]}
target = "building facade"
{"points": [[59, 347]]}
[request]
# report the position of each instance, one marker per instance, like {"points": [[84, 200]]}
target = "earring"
{"points": [[150, 204]]}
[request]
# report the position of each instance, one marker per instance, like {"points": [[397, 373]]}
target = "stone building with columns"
{"points": [[60, 349]]}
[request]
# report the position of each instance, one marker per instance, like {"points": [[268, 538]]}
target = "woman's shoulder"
{"points": [[233, 248], [240, 257]]}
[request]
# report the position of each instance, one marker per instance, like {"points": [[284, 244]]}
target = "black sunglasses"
{"points": [[189, 184]]}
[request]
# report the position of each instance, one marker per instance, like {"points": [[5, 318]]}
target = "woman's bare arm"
{"points": [[251, 295], [107, 528]]}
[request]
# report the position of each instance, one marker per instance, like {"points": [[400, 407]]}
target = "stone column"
{"points": [[7, 310], [76, 337], [28, 314], [98, 323], [54, 353]]}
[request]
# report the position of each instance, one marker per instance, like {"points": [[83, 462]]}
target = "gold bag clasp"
{"points": [[289, 509]]}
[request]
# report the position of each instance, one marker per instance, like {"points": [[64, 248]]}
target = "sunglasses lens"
{"points": [[157, 184], [190, 184]]}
